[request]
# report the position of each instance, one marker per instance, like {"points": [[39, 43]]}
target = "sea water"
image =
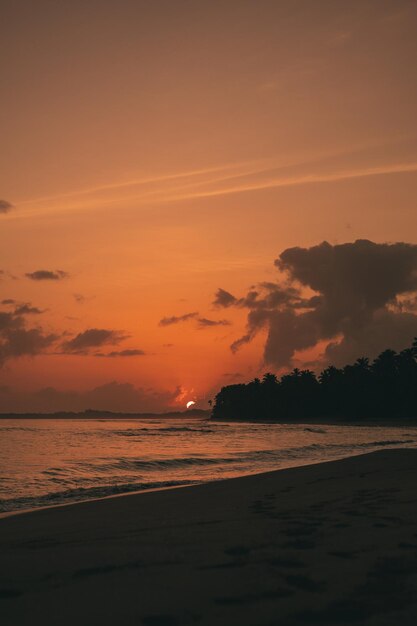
{"points": [[45, 462]]}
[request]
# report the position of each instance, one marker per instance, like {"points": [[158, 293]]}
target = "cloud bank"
{"points": [[358, 297], [112, 396]]}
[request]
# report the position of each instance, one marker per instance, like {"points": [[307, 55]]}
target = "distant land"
{"points": [[95, 414]]}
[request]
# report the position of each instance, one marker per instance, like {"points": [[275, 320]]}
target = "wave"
{"points": [[254, 456], [80, 493], [315, 430], [134, 432], [139, 474]]}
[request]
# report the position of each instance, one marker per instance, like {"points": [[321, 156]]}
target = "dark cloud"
{"points": [[203, 322], [265, 295], [122, 353], [387, 329], [5, 206], [8, 301], [25, 342], [9, 320], [359, 297], [47, 275], [17, 340], [113, 396], [174, 319], [92, 338], [365, 274], [224, 299], [27, 309]]}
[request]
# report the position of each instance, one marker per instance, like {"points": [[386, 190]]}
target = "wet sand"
{"points": [[334, 543]]}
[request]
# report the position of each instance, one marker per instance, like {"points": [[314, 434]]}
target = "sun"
{"points": [[190, 403]]}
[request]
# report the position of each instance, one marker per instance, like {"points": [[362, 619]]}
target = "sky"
{"points": [[154, 153]]}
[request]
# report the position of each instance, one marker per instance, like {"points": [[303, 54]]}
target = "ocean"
{"points": [[46, 462]]}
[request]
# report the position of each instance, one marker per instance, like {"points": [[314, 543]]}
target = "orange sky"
{"points": [[156, 151]]}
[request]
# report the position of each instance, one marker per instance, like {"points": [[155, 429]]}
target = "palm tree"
{"points": [[269, 379]]}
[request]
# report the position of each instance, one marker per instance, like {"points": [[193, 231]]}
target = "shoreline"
{"points": [[139, 492], [326, 543], [124, 494]]}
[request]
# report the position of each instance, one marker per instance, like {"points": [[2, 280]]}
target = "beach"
{"points": [[331, 543]]}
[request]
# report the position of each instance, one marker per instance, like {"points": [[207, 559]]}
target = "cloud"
{"points": [[122, 353], [8, 301], [174, 319], [203, 322], [26, 309], [5, 206], [92, 338], [8, 320], [25, 342], [347, 295], [272, 295], [7, 275], [47, 275], [266, 179], [224, 299], [112, 396], [16, 340], [81, 299]]}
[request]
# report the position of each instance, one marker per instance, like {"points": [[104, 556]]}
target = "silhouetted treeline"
{"points": [[385, 388]]}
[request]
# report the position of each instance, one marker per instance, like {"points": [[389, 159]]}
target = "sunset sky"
{"points": [[156, 152]]}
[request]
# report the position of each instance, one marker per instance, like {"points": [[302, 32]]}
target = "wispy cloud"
{"points": [[226, 179], [204, 322], [176, 319], [306, 179], [136, 182]]}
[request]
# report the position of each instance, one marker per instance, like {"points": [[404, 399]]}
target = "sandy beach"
{"points": [[334, 543]]}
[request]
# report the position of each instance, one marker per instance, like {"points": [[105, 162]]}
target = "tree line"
{"points": [[383, 388]]}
